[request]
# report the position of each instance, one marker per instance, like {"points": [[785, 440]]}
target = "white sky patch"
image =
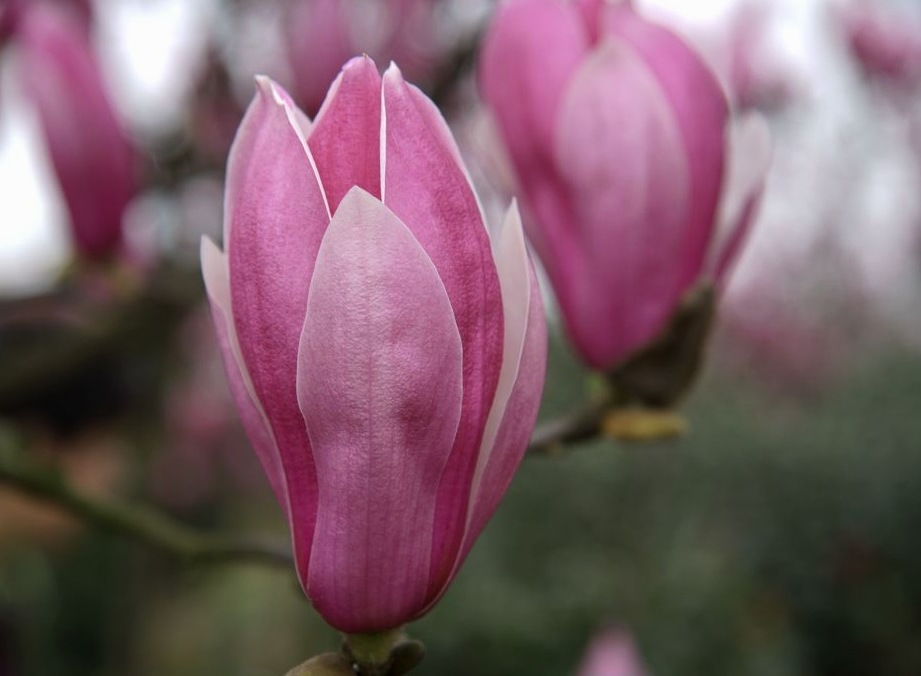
{"points": [[150, 50], [34, 242]]}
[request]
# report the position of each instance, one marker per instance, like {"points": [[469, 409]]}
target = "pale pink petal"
{"points": [[275, 216], [89, 152], [620, 151], [521, 381], [379, 384], [345, 141], [217, 283], [427, 189], [701, 109], [748, 160], [529, 55]]}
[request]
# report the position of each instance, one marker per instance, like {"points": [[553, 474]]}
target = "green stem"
{"points": [[373, 650]]}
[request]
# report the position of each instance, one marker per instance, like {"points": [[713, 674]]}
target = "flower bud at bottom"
{"points": [[388, 653]]}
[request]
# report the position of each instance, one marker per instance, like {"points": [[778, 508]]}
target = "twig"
{"points": [[140, 523], [578, 426]]}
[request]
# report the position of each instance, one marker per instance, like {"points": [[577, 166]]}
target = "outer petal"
{"points": [[275, 217], [521, 382], [346, 137], [701, 109], [530, 53], [426, 187], [748, 161], [89, 152], [620, 150], [379, 384], [217, 283]]}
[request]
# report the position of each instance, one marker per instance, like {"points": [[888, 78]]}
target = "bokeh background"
{"points": [[781, 535]]}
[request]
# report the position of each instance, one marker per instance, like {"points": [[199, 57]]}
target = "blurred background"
{"points": [[779, 536]]}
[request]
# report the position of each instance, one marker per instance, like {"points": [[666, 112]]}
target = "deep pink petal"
{"points": [[530, 53], [701, 109], [591, 16], [379, 383], [425, 186], [89, 152], [620, 151], [255, 422], [521, 382], [748, 161], [345, 140], [275, 216]]}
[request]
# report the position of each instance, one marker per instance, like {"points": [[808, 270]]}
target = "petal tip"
{"points": [[394, 73], [268, 88]]}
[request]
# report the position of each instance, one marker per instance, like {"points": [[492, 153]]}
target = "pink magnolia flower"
{"points": [[89, 152], [887, 45], [759, 77], [318, 39], [321, 34], [386, 356], [637, 182], [612, 653]]}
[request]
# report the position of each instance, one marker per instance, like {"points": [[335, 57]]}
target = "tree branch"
{"points": [[580, 425], [139, 523]]}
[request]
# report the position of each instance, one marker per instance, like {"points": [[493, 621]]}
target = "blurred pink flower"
{"points": [[758, 75], [320, 35], [612, 653], [779, 341], [886, 44], [386, 356], [89, 151], [637, 182]]}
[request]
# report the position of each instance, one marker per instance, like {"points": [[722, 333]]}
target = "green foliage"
{"points": [[779, 537]]}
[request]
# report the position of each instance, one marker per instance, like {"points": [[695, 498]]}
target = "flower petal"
{"points": [[275, 216], [379, 384], [701, 109], [521, 381], [620, 151], [346, 136], [426, 187], [748, 161], [530, 53], [89, 152], [255, 422]]}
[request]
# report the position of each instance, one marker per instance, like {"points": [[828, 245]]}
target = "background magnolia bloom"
{"points": [[89, 152], [612, 653], [386, 357], [885, 41], [637, 180], [320, 35]]}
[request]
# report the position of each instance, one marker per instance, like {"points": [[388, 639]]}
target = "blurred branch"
{"points": [[583, 424], [140, 523], [36, 366]]}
